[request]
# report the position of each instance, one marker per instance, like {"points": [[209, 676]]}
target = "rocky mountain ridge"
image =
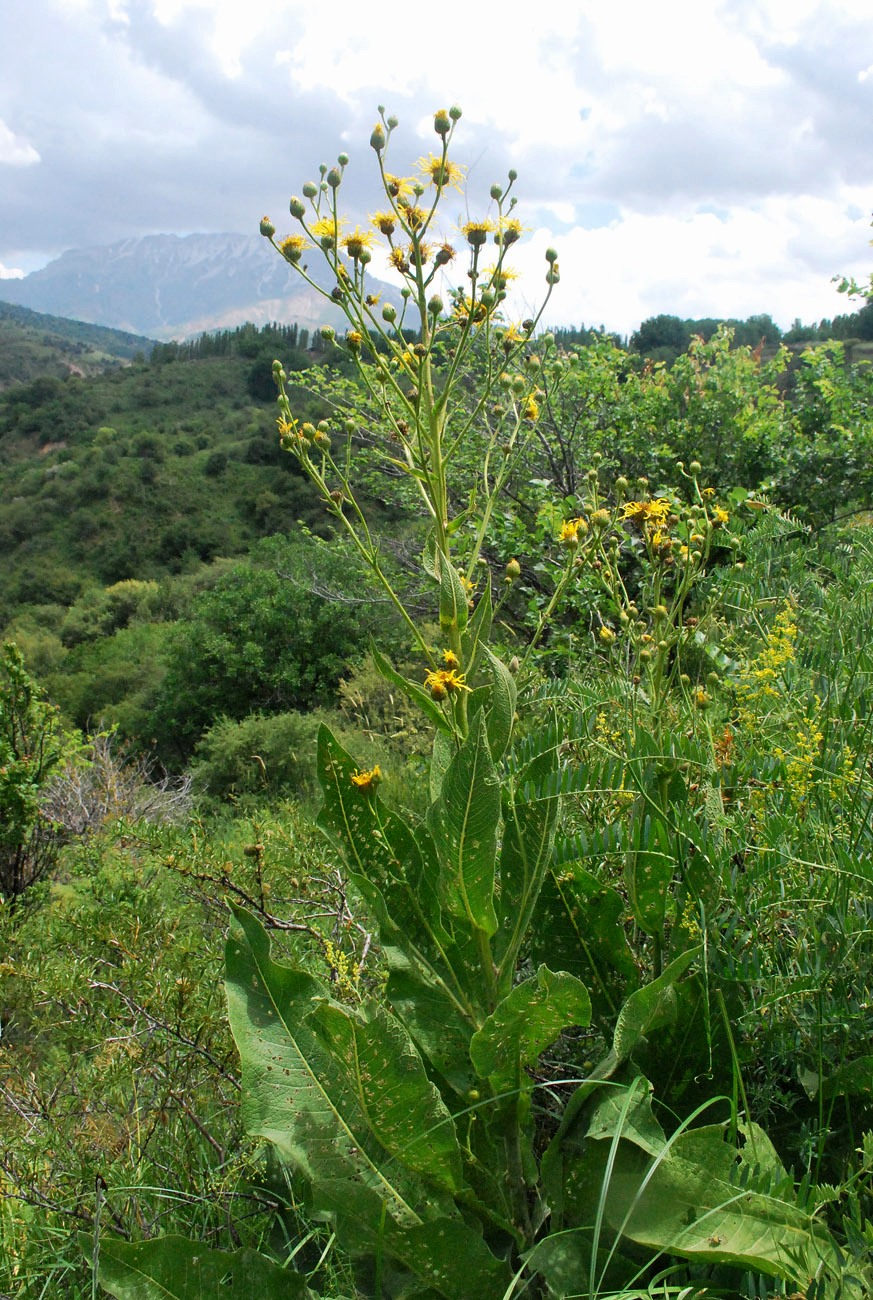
{"points": [[178, 286]]}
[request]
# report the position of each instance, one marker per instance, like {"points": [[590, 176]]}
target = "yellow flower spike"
{"points": [[367, 782]]}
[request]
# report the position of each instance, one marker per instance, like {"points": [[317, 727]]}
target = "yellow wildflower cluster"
{"points": [[802, 761], [345, 974], [761, 679]]}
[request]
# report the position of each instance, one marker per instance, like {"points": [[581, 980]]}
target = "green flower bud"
{"points": [[551, 255], [343, 160], [695, 467], [389, 312], [392, 122], [310, 189], [436, 305], [496, 192], [513, 570], [442, 123], [513, 174], [267, 228], [455, 113], [334, 178], [297, 207], [378, 138], [328, 333]]}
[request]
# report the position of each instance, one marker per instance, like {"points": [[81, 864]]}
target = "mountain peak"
{"points": [[176, 286]]}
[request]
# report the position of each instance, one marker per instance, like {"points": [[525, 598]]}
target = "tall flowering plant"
{"points": [[427, 1124]]}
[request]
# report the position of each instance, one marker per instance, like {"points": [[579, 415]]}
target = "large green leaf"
{"points": [[526, 1022], [380, 847], [705, 1199], [454, 601], [645, 1012], [335, 1100], [528, 838], [464, 823], [578, 927], [648, 873], [500, 716], [172, 1268]]}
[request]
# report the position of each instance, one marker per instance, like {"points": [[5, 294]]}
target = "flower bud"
{"points": [[337, 497], [343, 160], [334, 178], [328, 333], [455, 113], [389, 312], [442, 123], [378, 138], [513, 570], [436, 305], [267, 228], [606, 635], [496, 192], [551, 256], [695, 467], [310, 189], [297, 207], [392, 121]]}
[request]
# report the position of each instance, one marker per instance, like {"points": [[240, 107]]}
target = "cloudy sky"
{"points": [[685, 156]]}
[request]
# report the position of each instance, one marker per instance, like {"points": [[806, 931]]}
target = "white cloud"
{"points": [[10, 273], [14, 150]]}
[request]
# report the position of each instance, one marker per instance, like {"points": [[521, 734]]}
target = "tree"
{"points": [[32, 744]]}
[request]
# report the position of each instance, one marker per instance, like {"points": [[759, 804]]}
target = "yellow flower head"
{"points": [[357, 241], [509, 231], [399, 260], [327, 230], [292, 247], [450, 659], [466, 307], [440, 172], [398, 186], [445, 681], [414, 216], [570, 530], [720, 516], [476, 232], [500, 278], [531, 409], [653, 512], [385, 222], [367, 782], [444, 254]]}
